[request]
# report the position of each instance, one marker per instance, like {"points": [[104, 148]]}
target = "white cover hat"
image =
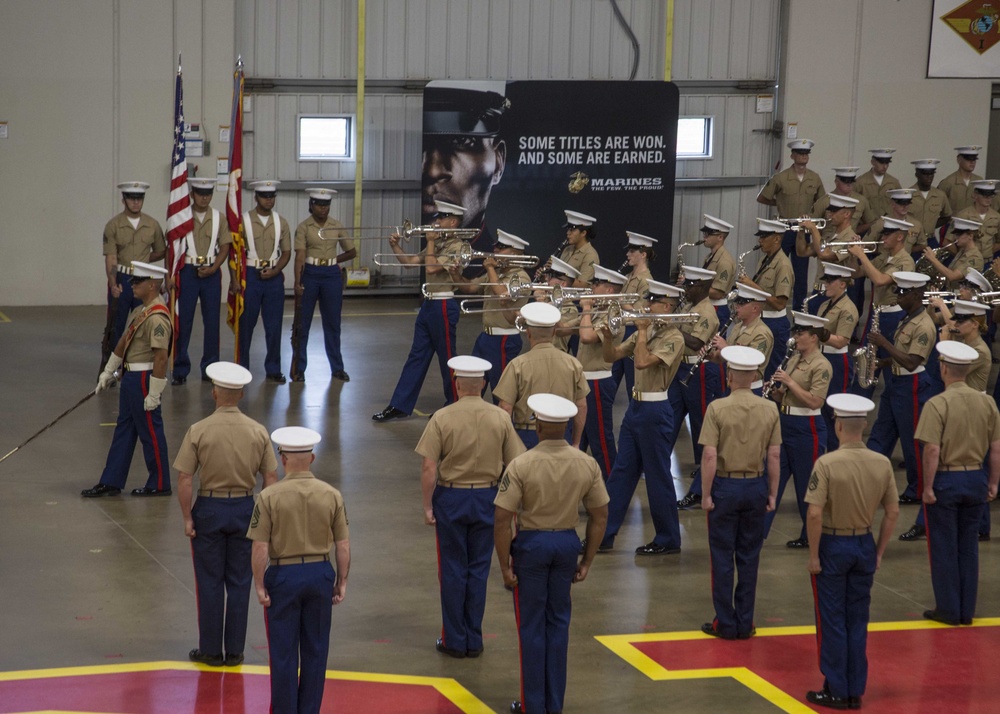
{"points": [[265, 186], [639, 239], [321, 194], [835, 270], [748, 293], [540, 314], [203, 184], [743, 359], [965, 224], [139, 187], [909, 280], [838, 201], [978, 279], [712, 224], [551, 408], [511, 240], [850, 405], [970, 150], [608, 276], [147, 270], [926, 164], [802, 319], [801, 145], [693, 272], [766, 227], [986, 185], [882, 153], [847, 171], [895, 224], [967, 307], [469, 366], [663, 289], [228, 375], [295, 439], [448, 209], [561, 266], [956, 352], [574, 218], [904, 194]]}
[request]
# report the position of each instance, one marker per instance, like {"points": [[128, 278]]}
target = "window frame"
{"points": [[708, 140], [351, 120]]}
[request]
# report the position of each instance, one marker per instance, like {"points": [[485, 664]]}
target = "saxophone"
{"points": [[707, 349], [770, 384], [866, 357], [741, 268], [680, 259]]}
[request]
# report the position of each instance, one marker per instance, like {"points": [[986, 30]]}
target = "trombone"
{"points": [[518, 261], [840, 246], [406, 231], [462, 258], [618, 318], [795, 224], [513, 285]]}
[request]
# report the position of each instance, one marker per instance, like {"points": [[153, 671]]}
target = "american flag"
{"points": [[180, 221]]}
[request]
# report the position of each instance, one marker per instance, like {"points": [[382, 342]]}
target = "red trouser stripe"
{"points": [[503, 353], [916, 444], [144, 380], [815, 436], [847, 373], [520, 646], [447, 344], [600, 426], [819, 630], [437, 547]]}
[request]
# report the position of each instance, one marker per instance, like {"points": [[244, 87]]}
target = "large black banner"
{"points": [[517, 154]]}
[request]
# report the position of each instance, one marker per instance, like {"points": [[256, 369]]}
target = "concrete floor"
{"points": [[91, 582]]}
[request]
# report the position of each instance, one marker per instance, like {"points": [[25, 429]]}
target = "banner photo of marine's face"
{"points": [[462, 157]]}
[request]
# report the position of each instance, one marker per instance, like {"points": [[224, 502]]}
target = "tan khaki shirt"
{"points": [[153, 333], [916, 336], [964, 259], [929, 210], [705, 328], [227, 450], [756, 335], [915, 239], [496, 318], [583, 259], [722, 262], [299, 516], [128, 243], [542, 369], [793, 198], [470, 440], [776, 277], [203, 230], [446, 253], [741, 427], [664, 342], [963, 422], [863, 212], [812, 373], [842, 314], [987, 236], [591, 356], [979, 374], [870, 188], [329, 246], [849, 484], [263, 236], [885, 295], [639, 285], [547, 484], [959, 192]]}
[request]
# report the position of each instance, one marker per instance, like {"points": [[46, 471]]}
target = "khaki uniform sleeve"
{"points": [[819, 483], [923, 340], [784, 279], [819, 383], [775, 439], [268, 461], [429, 445], [506, 389], [159, 333], [186, 459], [597, 494], [260, 521], [581, 389], [159, 242], [770, 189], [891, 494], [509, 492], [930, 428], [709, 428], [109, 246], [285, 238], [512, 444], [300, 236], [846, 322], [340, 524], [667, 352]]}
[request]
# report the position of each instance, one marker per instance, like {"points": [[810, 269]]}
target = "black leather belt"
{"points": [[301, 560], [480, 484], [846, 531], [739, 474], [215, 493]]}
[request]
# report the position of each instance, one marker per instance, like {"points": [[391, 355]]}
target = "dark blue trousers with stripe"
{"points": [[781, 329], [322, 284], [135, 423], [598, 431], [465, 544], [843, 597], [126, 303], [193, 289], [898, 412], [222, 573], [298, 634], [498, 350], [433, 334], [800, 269], [803, 440], [692, 401], [735, 537], [264, 298], [544, 563], [624, 369], [841, 379]]}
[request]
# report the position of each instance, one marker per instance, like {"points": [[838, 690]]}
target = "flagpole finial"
{"points": [[178, 63], [239, 62]]}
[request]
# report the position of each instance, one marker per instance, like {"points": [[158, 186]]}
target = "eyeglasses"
{"points": [[711, 232]]}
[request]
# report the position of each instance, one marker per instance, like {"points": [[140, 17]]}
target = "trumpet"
{"points": [[618, 318], [795, 224], [840, 246], [948, 297]]}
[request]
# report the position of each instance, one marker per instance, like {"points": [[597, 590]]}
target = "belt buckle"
{"points": [[263, 263], [636, 394], [201, 260]]}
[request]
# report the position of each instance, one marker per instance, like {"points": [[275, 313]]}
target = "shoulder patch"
{"points": [[255, 518], [825, 374], [159, 331], [814, 481], [504, 483], [849, 318], [923, 340]]}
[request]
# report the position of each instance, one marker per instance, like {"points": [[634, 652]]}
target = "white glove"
{"points": [[156, 387], [107, 377]]}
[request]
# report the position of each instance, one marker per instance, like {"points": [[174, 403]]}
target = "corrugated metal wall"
{"points": [[722, 50]]}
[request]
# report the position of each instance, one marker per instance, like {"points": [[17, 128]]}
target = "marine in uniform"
{"points": [[268, 246], [542, 368], [839, 228], [900, 202], [319, 279], [794, 191], [205, 251], [226, 450], [966, 255], [714, 232], [294, 525], [803, 386], [957, 427], [598, 430], [930, 205], [957, 186], [981, 211], [845, 490], [844, 180], [835, 336], [465, 448], [749, 331], [128, 237], [876, 183], [141, 353], [741, 441], [559, 275], [639, 252], [544, 489], [774, 277], [644, 443], [437, 321], [580, 252]]}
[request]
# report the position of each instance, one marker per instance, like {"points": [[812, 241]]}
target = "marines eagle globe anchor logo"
{"points": [[977, 23], [578, 182]]}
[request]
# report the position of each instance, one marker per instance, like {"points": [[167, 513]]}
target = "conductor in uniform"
{"points": [[227, 450], [142, 353], [957, 427], [294, 525], [845, 490], [740, 439], [544, 488], [465, 448]]}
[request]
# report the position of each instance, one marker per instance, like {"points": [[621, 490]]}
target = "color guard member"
{"points": [[128, 237], [437, 321], [966, 255], [319, 278], [580, 252], [750, 331], [958, 186], [803, 387], [957, 427], [714, 232], [639, 254], [876, 183], [842, 319], [294, 525], [268, 246], [774, 277], [644, 445], [741, 438], [227, 450], [930, 205], [205, 252], [845, 490], [542, 368], [142, 351], [544, 489], [465, 448]]}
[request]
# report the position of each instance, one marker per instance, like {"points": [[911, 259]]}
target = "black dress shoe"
{"points": [[967, 622], [299, 378], [798, 543], [474, 653], [915, 533], [457, 654], [515, 707], [824, 699], [342, 375], [99, 490], [854, 702], [746, 635], [692, 500], [210, 660], [234, 660], [655, 549], [905, 500], [178, 381], [278, 378], [388, 414], [709, 629], [149, 492], [938, 617]]}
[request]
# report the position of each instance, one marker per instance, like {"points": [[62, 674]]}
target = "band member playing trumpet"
{"points": [[844, 180], [839, 212], [750, 331], [774, 277], [434, 330], [804, 383], [966, 251], [842, 319], [563, 275], [640, 253]]}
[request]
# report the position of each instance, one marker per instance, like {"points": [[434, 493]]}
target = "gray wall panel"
{"points": [[725, 39]]}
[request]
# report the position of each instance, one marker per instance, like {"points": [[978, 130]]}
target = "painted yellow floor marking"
{"points": [[108, 423], [4, 318]]}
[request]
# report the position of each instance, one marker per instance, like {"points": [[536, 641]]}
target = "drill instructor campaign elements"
{"points": [[591, 150]]}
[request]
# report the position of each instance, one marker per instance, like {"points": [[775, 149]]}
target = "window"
{"points": [[694, 138], [326, 138]]}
